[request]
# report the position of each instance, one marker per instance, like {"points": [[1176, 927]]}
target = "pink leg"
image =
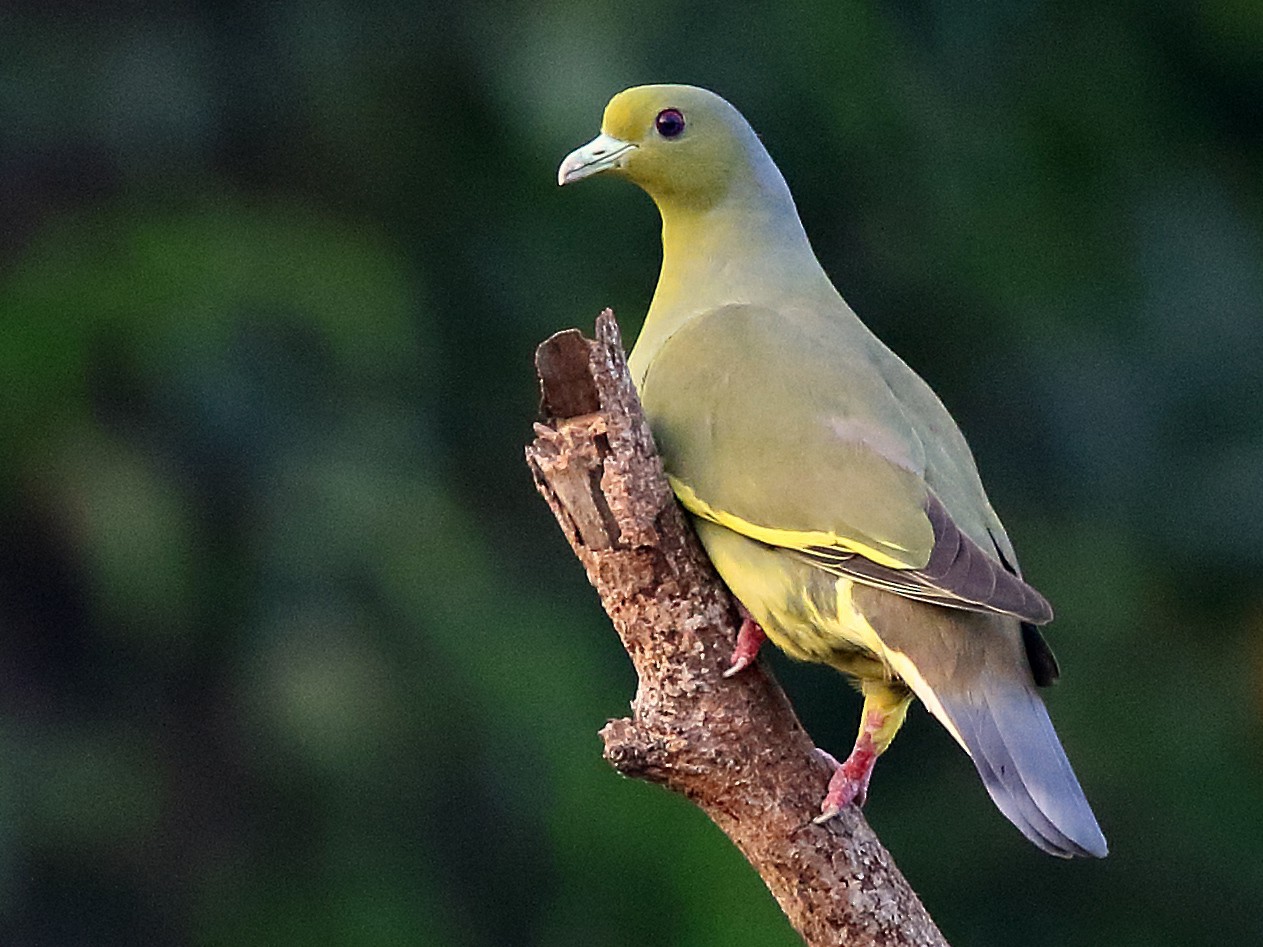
{"points": [[750, 638], [850, 779]]}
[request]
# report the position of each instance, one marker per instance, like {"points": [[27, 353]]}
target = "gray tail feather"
{"points": [[1008, 734]]}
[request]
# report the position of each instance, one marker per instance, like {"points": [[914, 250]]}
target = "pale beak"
{"points": [[600, 154]]}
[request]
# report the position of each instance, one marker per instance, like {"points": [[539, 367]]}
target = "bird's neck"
{"points": [[738, 252]]}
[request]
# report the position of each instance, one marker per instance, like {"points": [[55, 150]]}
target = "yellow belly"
{"points": [[806, 612]]}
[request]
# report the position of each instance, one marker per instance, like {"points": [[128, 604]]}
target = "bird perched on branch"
{"points": [[832, 490]]}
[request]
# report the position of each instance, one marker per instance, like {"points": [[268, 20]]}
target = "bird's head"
{"points": [[684, 146]]}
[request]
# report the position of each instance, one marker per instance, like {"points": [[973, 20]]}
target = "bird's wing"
{"points": [[776, 426]]}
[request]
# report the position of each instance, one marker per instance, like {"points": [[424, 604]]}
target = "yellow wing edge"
{"points": [[884, 554]]}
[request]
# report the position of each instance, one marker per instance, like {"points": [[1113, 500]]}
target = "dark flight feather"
{"points": [[960, 574]]}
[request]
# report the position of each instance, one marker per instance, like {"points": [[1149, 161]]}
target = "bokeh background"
{"points": [[290, 652]]}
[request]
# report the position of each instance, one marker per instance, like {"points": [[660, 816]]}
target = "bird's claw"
{"points": [[849, 783], [828, 758], [750, 638], [844, 789], [826, 815]]}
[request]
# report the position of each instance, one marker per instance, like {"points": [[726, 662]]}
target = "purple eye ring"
{"points": [[669, 123]]}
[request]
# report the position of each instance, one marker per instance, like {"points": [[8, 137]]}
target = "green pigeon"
{"points": [[831, 489]]}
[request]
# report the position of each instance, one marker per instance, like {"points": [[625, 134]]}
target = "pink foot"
{"points": [[850, 779], [750, 638]]}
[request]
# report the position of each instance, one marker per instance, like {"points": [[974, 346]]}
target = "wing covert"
{"points": [[808, 448]]}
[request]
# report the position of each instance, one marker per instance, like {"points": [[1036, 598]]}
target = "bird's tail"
{"points": [[975, 673], [1003, 725]]}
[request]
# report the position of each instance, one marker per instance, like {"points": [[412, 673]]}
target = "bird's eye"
{"points": [[670, 122]]}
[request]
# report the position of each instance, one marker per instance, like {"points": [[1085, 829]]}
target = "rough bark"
{"points": [[732, 746]]}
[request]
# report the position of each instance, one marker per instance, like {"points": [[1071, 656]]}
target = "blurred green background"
{"points": [[291, 653]]}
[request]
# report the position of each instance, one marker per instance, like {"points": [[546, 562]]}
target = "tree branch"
{"points": [[734, 747]]}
